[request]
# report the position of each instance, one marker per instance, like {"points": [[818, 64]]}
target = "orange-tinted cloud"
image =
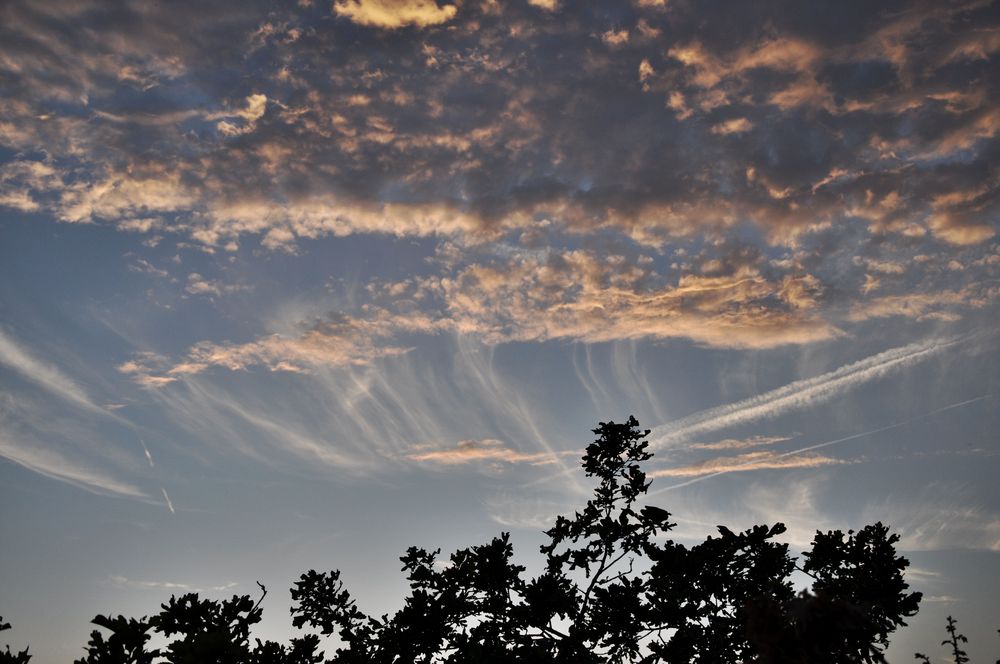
{"points": [[751, 461], [392, 14], [488, 450]]}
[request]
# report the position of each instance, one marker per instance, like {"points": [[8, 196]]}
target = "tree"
{"points": [[955, 638], [209, 632], [614, 589], [8, 657]]}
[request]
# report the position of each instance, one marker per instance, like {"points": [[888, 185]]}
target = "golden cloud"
{"points": [[575, 295], [393, 14]]}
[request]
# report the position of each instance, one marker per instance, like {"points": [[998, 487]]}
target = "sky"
{"points": [[294, 285]]}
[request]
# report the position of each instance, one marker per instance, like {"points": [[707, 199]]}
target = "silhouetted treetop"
{"points": [[8, 657], [614, 589]]}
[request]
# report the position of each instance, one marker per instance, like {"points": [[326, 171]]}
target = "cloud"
{"points": [[44, 374], [801, 393], [919, 306], [940, 599], [807, 450], [393, 14], [257, 428], [199, 285], [124, 197], [125, 582], [334, 341], [526, 512], [532, 182], [471, 451], [48, 462], [751, 461], [256, 106], [547, 5], [330, 341], [942, 518], [733, 126], [142, 266], [739, 443], [19, 200], [292, 153], [577, 295], [619, 37]]}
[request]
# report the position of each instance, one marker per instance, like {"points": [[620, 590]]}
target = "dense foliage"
{"points": [[614, 588]]}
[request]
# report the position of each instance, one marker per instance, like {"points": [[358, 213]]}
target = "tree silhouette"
{"points": [[953, 640], [614, 589], [8, 657], [208, 632]]}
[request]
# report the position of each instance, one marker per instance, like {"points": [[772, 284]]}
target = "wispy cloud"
{"points": [[43, 374], [469, 451], [940, 599], [125, 582], [799, 394], [525, 511], [739, 443], [36, 457], [761, 460], [836, 441], [936, 522]]}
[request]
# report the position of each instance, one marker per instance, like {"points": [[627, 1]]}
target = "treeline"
{"points": [[615, 589]]}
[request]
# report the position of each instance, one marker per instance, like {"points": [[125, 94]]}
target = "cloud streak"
{"points": [[44, 375], [48, 462], [799, 394], [137, 584], [751, 461], [828, 443], [488, 450]]}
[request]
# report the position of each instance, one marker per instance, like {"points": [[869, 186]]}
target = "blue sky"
{"points": [[298, 285]]}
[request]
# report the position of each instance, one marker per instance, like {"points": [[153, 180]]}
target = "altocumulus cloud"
{"points": [[715, 199]]}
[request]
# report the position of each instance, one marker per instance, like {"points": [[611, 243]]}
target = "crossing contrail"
{"points": [[827, 443], [799, 394]]}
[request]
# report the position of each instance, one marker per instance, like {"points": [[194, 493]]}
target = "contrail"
{"points": [[828, 443], [145, 449], [170, 505], [800, 393]]}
